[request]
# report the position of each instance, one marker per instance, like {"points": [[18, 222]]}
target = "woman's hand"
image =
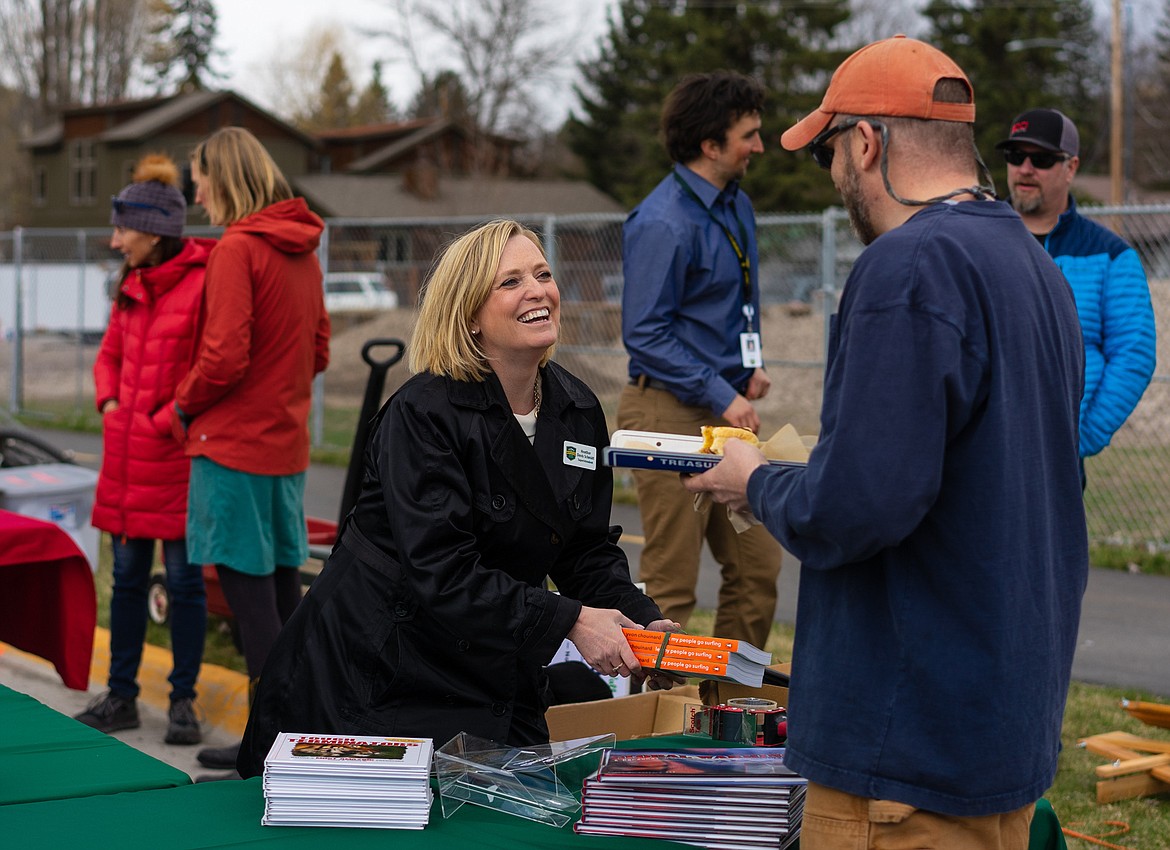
{"points": [[598, 636]]}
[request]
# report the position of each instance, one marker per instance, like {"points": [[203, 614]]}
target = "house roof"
{"points": [[373, 161], [363, 132], [1099, 187], [383, 196], [152, 121]]}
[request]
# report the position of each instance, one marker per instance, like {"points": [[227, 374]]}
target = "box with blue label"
{"points": [[60, 493]]}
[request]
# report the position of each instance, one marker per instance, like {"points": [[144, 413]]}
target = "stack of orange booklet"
{"points": [[700, 656]]}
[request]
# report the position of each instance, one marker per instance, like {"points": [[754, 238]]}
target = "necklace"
{"points": [[536, 396]]}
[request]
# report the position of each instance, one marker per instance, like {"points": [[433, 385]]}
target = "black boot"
{"points": [[219, 758]]}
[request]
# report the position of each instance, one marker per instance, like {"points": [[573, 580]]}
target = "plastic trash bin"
{"points": [[60, 493]]}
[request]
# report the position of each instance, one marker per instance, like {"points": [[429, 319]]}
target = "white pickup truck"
{"points": [[357, 292]]}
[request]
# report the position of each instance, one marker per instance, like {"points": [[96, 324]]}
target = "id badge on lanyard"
{"points": [[749, 342]]}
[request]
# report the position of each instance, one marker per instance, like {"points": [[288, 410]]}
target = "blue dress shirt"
{"points": [[683, 299]]}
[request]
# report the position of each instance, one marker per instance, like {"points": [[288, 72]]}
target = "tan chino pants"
{"points": [[675, 531]]}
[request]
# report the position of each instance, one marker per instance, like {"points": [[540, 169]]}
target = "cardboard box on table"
{"points": [[637, 716], [651, 713]]}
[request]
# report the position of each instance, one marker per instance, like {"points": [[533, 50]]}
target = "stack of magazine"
{"points": [[700, 656], [721, 798], [336, 780]]}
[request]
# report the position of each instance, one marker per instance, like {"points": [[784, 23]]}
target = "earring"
{"points": [[475, 331]]}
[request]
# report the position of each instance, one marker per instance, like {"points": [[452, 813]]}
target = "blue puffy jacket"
{"points": [[1117, 321]]}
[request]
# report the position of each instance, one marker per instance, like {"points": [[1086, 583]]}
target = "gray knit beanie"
{"points": [[152, 203]]}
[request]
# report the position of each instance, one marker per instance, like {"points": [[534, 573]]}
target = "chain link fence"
{"points": [[52, 323]]}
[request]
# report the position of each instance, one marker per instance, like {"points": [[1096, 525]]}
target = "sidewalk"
{"points": [[222, 703]]}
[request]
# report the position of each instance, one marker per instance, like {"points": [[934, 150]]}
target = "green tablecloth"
{"points": [[227, 814], [45, 755]]}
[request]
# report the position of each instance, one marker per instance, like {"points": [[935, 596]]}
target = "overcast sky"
{"points": [[250, 31]]}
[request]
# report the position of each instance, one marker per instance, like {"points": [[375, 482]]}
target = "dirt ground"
{"points": [[57, 369]]}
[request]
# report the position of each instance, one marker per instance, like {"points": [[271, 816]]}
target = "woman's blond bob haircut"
{"points": [[457, 288], [239, 177]]}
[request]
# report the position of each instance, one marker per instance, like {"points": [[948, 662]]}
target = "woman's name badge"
{"points": [[749, 347], [580, 455]]}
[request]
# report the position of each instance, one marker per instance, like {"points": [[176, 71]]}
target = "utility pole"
{"points": [[1116, 138]]}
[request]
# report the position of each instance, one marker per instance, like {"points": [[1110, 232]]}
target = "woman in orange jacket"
{"points": [[243, 410]]}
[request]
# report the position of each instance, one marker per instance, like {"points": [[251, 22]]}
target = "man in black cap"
{"points": [[1106, 275]]}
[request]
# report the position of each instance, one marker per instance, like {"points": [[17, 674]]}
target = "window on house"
{"points": [[82, 173], [40, 186]]}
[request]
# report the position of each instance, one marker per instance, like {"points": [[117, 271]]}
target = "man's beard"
{"points": [[851, 195], [1028, 205]]}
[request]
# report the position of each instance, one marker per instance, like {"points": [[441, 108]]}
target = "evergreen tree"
{"points": [[1146, 104], [335, 104], [650, 46], [1020, 57], [184, 46], [442, 96], [373, 104]]}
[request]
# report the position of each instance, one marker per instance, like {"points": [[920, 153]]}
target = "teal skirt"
{"points": [[251, 523]]}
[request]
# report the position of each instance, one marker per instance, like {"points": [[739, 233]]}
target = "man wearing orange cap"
{"points": [[939, 522]]}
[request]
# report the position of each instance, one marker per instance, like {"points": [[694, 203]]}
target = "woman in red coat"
{"points": [[141, 495], [244, 408]]}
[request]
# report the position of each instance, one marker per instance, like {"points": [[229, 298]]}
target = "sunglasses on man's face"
{"points": [[822, 154], [120, 206], [1040, 159]]}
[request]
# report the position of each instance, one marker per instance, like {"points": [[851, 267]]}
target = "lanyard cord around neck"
{"points": [[745, 262]]}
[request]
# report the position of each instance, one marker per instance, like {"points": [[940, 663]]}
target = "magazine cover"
{"points": [[718, 765], [299, 752]]}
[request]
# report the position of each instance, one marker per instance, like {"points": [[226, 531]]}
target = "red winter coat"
{"points": [[147, 349], [265, 335]]}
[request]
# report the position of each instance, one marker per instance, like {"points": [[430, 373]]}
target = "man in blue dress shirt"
{"points": [[690, 323]]}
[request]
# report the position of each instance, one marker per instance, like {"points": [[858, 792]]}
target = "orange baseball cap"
{"points": [[892, 77]]}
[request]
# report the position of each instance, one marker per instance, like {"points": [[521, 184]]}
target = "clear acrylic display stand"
{"points": [[529, 782]]}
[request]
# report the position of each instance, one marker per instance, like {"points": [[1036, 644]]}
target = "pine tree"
{"points": [[185, 32], [335, 105], [373, 104], [650, 46], [442, 96], [1020, 57]]}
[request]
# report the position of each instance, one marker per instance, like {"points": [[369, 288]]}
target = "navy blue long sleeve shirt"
{"points": [[939, 523]]}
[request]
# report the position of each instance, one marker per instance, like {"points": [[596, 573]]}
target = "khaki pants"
{"points": [[834, 820], [675, 531]]}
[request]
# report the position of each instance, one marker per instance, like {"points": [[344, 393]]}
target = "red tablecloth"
{"points": [[48, 605]]}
